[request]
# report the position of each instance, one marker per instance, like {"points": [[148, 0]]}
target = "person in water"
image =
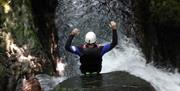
{"points": [[91, 53]]}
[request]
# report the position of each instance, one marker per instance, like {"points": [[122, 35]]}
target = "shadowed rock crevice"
{"points": [[158, 31], [44, 16]]}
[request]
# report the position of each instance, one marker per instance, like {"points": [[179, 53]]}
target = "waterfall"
{"points": [[131, 60], [94, 15]]}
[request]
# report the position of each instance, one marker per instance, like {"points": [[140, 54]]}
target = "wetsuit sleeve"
{"points": [[110, 46], [70, 48]]}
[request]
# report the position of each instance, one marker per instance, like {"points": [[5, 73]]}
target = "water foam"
{"points": [[49, 82], [130, 59]]}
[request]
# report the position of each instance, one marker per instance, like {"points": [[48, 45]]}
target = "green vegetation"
{"points": [[18, 21], [3, 2], [165, 11], [158, 30], [2, 70], [20, 24]]}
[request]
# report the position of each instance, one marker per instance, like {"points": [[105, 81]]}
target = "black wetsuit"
{"points": [[91, 58]]}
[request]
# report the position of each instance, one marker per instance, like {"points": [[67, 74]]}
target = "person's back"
{"points": [[91, 59], [91, 53]]}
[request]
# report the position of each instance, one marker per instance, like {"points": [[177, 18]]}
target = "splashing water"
{"points": [[60, 67], [49, 82], [131, 60], [94, 15]]}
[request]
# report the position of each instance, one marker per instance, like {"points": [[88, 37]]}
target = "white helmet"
{"points": [[90, 37]]}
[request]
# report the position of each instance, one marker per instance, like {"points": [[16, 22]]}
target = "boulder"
{"points": [[114, 81]]}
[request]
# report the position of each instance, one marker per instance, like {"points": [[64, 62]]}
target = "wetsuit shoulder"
{"points": [[110, 46], [71, 48]]}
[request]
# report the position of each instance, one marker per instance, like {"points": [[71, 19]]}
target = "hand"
{"points": [[113, 25], [75, 31]]}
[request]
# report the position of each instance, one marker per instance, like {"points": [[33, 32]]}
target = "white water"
{"points": [[128, 58], [49, 82], [131, 60]]}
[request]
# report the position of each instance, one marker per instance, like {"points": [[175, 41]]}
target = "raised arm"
{"points": [[68, 46], [68, 42], [114, 38], [114, 42]]}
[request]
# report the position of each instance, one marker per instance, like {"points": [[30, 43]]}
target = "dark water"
{"points": [[90, 15]]}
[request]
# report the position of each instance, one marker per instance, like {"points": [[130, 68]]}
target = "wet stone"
{"points": [[114, 81]]}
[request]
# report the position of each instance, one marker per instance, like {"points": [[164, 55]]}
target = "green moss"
{"points": [[20, 23], [2, 70], [3, 2], [165, 10]]}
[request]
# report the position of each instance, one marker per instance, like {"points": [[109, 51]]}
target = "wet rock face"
{"points": [[167, 48], [115, 81], [43, 12], [90, 15], [43, 16], [158, 31], [17, 42]]}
